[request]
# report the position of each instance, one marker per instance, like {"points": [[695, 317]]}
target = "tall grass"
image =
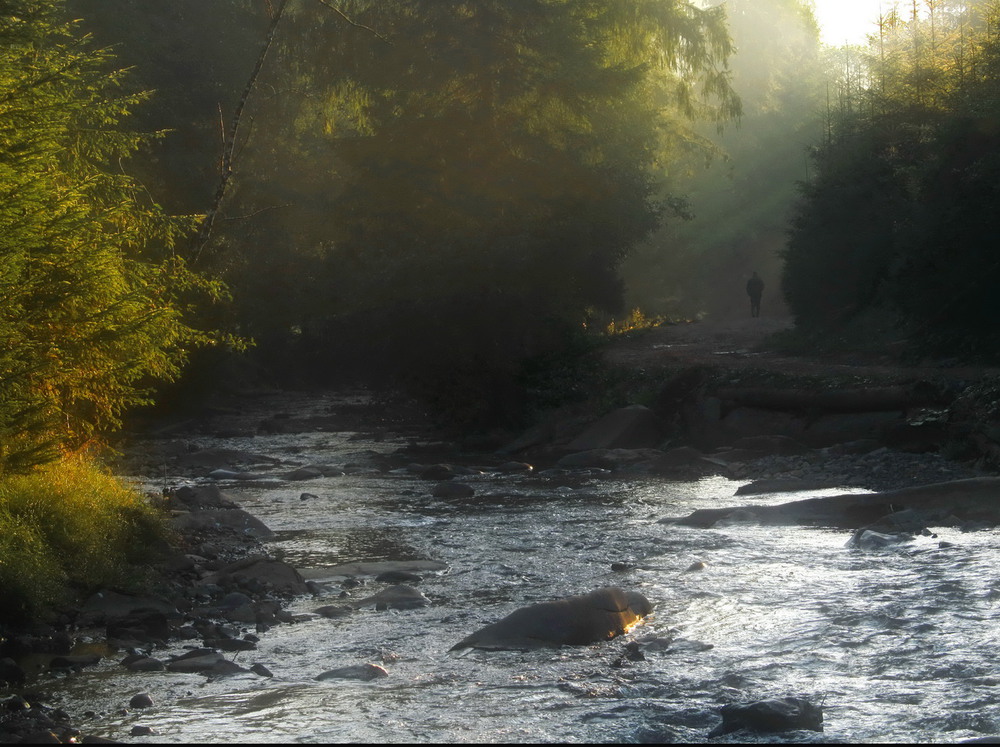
{"points": [[69, 527]]}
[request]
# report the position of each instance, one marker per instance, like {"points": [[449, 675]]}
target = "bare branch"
{"points": [[343, 15]]}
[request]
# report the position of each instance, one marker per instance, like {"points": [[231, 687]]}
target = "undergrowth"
{"points": [[70, 528]]}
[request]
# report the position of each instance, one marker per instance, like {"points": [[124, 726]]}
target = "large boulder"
{"points": [[772, 715], [233, 519], [972, 500], [574, 621], [272, 574], [632, 427], [398, 597]]}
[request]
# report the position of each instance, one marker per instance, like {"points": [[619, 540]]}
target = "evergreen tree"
{"points": [[92, 296]]}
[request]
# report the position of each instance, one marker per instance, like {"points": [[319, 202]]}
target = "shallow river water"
{"points": [[898, 645]]}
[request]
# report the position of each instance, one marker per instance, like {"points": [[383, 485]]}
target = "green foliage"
{"points": [[493, 164], [93, 299], [902, 213], [69, 526]]}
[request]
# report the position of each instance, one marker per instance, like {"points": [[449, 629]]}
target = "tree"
{"points": [[899, 218], [495, 164], [94, 299]]}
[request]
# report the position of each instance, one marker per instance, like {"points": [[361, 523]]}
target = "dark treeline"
{"points": [[899, 222], [452, 194], [444, 191]]}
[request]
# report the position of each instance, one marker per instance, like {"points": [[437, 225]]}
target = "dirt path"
{"points": [[746, 343]]}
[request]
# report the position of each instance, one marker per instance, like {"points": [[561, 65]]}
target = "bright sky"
{"points": [[848, 21]]}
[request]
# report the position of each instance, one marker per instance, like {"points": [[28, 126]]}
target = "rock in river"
{"points": [[574, 621], [773, 715]]}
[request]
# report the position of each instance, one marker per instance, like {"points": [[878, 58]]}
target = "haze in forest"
{"points": [[462, 197]]}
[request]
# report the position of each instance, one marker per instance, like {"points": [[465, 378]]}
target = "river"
{"points": [[899, 645]]}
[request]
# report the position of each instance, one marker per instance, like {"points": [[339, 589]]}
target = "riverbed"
{"points": [[898, 644]]}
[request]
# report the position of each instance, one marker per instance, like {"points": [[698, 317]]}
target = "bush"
{"points": [[67, 527]]}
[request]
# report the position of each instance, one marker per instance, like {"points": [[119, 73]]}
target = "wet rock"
{"points": [[399, 597], [10, 672], [271, 574], [74, 662], [574, 621], [191, 497], [363, 672], [235, 520], [110, 605], [308, 497], [140, 627], [869, 539], [451, 489], [260, 669], [224, 668], [968, 500], [196, 661], [304, 473], [439, 472], [144, 664], [399, 577], [140, 700], [770, 716], [141, 731], [233, 600], [698, 565]]}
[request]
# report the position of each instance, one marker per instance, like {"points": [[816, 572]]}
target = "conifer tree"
{"points": [[93, 300]]}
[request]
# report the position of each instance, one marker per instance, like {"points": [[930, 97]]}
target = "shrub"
{"points": [[70, 526]]}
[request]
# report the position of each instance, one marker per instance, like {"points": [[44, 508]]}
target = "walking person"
{"points": [[755, 288]]}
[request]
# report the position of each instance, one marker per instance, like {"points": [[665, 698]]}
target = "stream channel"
{"points": [[899, 645]]}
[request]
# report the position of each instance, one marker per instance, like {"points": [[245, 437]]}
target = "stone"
{"points": [[398, 577], [770, 716], [111, 605], [140, 700], [575, 621], [452, 489], [261, 670], [146, 664], [399, 597], [363, 672], [304, 473], [273, 574], [236, 520], [203, 496], [195, 662]]}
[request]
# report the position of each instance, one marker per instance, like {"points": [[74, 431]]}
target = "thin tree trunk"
{"points": [[204, 234]]}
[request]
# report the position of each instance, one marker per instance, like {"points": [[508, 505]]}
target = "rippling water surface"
{"points": [[899, 645]]}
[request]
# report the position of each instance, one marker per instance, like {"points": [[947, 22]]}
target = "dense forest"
{"points": [[459, 196]]}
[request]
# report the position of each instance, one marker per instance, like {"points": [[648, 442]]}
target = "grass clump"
{"points": [[69, 528]]}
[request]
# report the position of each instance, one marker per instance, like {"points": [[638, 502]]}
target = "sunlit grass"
{"points": [[635, 321], [69, 527]]}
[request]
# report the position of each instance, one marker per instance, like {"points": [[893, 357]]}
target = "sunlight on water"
{"points": [[898, 644]]}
